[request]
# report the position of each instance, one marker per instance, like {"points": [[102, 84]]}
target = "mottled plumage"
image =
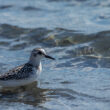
{"points": [[26, 73], [17, 73]]}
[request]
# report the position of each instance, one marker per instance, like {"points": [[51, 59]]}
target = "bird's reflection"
{"points": [[29, 94]]}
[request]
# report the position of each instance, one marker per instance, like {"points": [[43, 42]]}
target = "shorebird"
{"points": [[26, 73]]}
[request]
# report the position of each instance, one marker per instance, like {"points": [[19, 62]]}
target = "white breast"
{"points": [[20, 82]]}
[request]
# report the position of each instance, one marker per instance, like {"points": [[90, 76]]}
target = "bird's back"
{"points": [[20, 75]]}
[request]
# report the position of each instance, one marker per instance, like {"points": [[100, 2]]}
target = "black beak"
{"points": [[46, 56]]}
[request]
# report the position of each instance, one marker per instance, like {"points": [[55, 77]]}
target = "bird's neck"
{"points": [[36, 63]]}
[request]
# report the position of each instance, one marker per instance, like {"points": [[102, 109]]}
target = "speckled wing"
{"points": [[17, 73]]}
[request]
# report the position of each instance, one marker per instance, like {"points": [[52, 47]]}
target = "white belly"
{"points": [[21, 82]]}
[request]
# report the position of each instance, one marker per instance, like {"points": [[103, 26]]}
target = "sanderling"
{"points": [[27, 73]]}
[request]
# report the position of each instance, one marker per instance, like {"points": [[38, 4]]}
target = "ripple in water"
{"points": [[78, 79]]}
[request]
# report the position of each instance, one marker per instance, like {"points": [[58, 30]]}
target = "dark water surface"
{"points": [[77, 34]]}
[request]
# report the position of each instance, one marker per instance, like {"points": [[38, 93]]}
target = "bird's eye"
{"points": [[39, 53]]}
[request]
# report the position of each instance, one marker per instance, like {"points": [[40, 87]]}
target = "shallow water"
{"points": [[76, 33], [84, 15]]}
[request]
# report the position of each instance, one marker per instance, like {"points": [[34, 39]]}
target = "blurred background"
{"points": [[77, 34]]}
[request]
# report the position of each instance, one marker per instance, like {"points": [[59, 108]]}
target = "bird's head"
{"points": [[39, 53]]}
